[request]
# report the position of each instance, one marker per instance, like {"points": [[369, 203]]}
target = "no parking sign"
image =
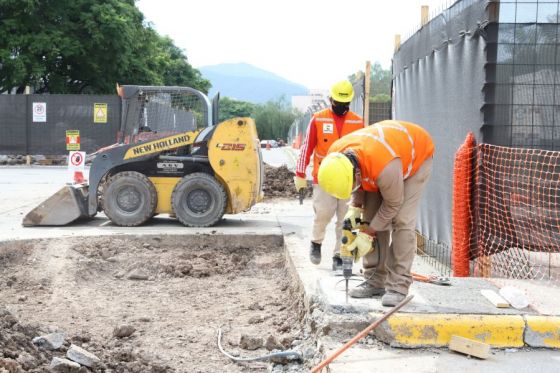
{"points": [[39, 112], [77, 165]]}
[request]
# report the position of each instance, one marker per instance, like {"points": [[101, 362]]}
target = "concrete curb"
{"points": [[543, 331], [500, 331]]}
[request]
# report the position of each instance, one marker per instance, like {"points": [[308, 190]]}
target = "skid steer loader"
{"points": [[163, 164]]}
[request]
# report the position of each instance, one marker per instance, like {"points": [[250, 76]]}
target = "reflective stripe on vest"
{"points": [[397, 126], [381, 139]]}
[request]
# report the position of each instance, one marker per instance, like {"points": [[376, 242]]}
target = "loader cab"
{"points": [[150, 113]]}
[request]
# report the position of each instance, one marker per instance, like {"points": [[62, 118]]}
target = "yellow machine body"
{"points": [[164, 187], [234, 154]]}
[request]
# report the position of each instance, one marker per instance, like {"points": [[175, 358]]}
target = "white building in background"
{"points": [[316, 99]]}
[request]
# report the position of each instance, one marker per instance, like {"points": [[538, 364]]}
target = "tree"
{"points": [[380, 83], [274, 118], [85, 46], [230, 108], [172, 65]]}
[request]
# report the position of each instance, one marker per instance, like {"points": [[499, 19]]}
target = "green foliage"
{"points": [[274, 118], [230, 108], [380, 82], [85, 46]]}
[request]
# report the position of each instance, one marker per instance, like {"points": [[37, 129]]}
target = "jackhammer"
{"points": [[348, 236]]}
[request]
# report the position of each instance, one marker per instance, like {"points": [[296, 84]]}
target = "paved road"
{"points": [[280, 156], [22, 188]]}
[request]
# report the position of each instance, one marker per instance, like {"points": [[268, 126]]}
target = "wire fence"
{"points": [[38, 124], [508, 219]]}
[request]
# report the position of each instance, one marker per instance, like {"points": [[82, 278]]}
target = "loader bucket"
{"points": [[63, 207]]}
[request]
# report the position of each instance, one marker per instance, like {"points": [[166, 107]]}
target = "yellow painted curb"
{"points": [[543, 331], [415, 330]]}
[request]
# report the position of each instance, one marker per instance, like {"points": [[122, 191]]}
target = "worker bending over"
{"points": [[325, 127], [385, 168]]}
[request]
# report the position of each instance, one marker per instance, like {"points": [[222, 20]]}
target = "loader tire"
{"points": [[129, 199], [199, 200]]}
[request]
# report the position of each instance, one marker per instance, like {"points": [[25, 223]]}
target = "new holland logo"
{"points": [[158, 146]]}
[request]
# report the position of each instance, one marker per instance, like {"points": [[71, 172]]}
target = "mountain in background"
{"points": [[241, 81]]}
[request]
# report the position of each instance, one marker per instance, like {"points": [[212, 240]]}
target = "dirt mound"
{"points": [[279, 183], [19, 354], [147, 305]]}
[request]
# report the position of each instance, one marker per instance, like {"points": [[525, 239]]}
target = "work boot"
{"points": [[392, 298], [336, 262], [365, 290], [315, 253]]}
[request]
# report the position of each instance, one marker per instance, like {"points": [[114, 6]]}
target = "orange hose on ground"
{"points": [[463, 174], [360, 335]]}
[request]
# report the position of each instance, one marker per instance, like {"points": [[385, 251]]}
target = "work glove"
{"points": [[300, 183], [362, 226], [354, 215], [361, 246]]}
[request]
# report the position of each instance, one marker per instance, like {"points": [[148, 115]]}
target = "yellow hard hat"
{"points": [[336, 175], [342, 91]]}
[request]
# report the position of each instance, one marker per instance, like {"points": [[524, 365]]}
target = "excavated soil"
{"points": [[279, 183], [174, 292]]}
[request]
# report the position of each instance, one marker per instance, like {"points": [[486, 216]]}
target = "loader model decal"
{"points": [[160, 145], [229, 146]]}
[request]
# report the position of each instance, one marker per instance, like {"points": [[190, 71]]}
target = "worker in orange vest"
{"points": [[385, 168], [325, 127]]}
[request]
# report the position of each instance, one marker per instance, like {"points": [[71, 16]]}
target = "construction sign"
{"points": [[76, 166], [39, 112], [99, 113], [72, 140]]}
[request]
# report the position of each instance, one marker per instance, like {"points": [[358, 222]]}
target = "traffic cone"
{"points": [[79, 177]]}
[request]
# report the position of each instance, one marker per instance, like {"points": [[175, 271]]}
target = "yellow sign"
{"points": [[160, 145], [72, 140], [99, 113]]}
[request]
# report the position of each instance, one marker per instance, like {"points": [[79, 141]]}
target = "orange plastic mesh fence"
{"points": [[462, 206], [514, 216]]}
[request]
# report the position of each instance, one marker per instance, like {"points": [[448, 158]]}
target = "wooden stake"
{"points": [[494, 298], [424, 14], [367, 84], [484, 266], [397, 42], [469, 347]]}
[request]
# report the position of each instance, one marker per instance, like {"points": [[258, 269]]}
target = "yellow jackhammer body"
{"points": [[345, 254]]}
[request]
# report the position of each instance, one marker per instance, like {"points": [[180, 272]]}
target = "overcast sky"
{"points": [[311, 42]]}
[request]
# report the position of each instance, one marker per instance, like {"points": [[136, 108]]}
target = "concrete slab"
{"points": [[428, 298]]}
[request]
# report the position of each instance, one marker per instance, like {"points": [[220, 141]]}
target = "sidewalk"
{"points": [[437, 312]]}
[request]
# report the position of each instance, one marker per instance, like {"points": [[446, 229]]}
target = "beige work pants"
{"points": [[325, 207], [390, 266]]}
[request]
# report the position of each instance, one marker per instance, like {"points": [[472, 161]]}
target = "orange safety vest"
{"points": [[377, 145], [327, 133]]}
